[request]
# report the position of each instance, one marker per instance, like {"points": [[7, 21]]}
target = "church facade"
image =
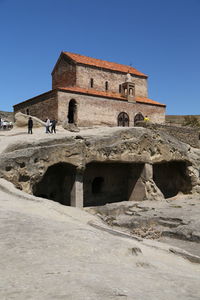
{"points": [[88, 92]]}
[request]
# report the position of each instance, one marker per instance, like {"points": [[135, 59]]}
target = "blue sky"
{"points": [[158, 37]]}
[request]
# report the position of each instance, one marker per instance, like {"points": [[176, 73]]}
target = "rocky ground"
{"points": [[130, 250], [174, 221], [49, 251]]}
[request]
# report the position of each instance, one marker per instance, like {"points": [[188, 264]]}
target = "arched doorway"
{"points": [[123, 119], [138, 118], [57, 183], [72, 111]]}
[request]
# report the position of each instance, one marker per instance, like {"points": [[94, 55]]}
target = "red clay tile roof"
{"points": [[112, 95], [148, 101], [103, 64]]}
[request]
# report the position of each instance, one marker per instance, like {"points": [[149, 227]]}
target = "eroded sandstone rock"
{"points": [[139, 163], [21, 120]]}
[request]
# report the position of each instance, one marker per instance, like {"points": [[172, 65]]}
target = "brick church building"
{"points": [[88, 91]]}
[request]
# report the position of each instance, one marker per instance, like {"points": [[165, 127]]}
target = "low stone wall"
{"points": [[178, 119], [186, 135]]}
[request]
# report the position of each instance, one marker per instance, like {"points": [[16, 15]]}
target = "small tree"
{"points": [[191, 121]]}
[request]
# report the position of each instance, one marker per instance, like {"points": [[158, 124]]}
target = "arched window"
{"points": [[138, 118], [123, 119], [106, 85], [72, 111], [91, 82]]}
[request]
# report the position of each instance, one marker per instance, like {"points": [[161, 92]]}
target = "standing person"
{"points": [[53, 126], [30, 125], [48, 122]]}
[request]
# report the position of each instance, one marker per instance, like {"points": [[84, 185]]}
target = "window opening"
{"points": [[123, 119], [138, 118], [106, 85], [91, 82]]}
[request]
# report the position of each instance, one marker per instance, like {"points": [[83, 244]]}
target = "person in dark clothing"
{"points": [[53, 126], [30, 125]]}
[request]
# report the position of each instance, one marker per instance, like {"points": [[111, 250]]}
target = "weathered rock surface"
{"points": [[21, 120], [49, 252], [175, 218], [25, 162], [70, 127]]}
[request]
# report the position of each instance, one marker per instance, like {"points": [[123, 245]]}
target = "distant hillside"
{"points": [[178, 119], [6, 115]]}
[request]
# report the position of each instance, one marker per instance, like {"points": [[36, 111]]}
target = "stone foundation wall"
{"points": [[114, 79], [42, 106], [100, 111]]}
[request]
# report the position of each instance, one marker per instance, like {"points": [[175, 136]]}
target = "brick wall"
{"points": [[114, 79], [64, 74], [42, 106], [184, 134], [100, 111]]}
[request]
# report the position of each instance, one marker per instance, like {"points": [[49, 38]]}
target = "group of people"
{"points": [[50, 125]]}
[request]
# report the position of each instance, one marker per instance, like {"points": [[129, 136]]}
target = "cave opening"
{"points": [[171, 178], [110, 182], [57, 183]]}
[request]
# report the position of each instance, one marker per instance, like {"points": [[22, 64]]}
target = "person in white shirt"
{"points": [[48, 122]]}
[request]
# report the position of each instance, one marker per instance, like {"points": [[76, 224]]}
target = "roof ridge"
{"points": [[88, 60], [103, 60]]}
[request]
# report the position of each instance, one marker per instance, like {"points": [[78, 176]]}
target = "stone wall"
{"points": [[114, 79], [179, 119], [42, 106], [93, 110], [64, 74], [187, 135]]}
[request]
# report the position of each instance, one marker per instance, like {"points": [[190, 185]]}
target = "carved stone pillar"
{"points": [[77, 190], [139, 192]]}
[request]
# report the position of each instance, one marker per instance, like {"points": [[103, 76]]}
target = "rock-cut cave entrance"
{"points": [[110, 182], [171, 178], [57, 183]]}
